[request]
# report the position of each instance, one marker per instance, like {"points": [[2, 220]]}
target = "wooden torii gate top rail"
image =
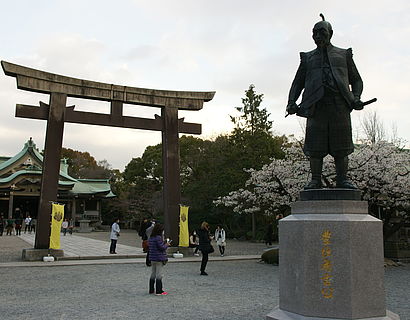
{"points": [[44, 82], [57, 113]]}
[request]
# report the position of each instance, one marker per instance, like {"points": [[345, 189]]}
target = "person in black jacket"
{"points": [[204, 245]]}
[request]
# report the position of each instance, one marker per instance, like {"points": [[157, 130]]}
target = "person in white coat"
{"points": [[220, 238], [115, 233]]}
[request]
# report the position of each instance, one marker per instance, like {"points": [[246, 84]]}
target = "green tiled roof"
{"points": [[3, 159], [98, 187]]}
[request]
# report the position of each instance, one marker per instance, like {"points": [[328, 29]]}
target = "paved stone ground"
{"points": [[78, 246], [233, 290], [233, 247], [96, 244], [11, 248]]}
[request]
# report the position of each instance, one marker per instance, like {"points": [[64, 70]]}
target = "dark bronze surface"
{"points": [[330, 194], [332, 88]]}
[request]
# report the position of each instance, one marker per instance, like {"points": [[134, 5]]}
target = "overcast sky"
{"points": [[195, 45]]}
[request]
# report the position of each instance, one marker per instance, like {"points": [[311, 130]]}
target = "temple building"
{"points": [[20, 183]]}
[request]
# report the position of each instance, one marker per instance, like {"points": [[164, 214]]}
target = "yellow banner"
{"points": [[57, 217], [183, 226]]}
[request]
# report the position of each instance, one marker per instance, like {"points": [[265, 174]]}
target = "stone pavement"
{"points": [[82, 249], [79, 247]]}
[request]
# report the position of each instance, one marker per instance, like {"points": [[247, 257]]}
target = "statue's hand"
{"points": [[292, 108], [357, 104]]}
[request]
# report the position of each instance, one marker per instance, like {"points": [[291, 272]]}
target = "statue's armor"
{"points": [[325, 76]]}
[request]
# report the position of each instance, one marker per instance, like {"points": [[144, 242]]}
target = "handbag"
{"points": [[145, 246], [210, 249]]}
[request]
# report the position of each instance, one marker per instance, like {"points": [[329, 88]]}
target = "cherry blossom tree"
{"points": [[380, 170]]}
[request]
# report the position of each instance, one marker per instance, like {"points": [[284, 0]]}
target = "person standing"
{"points": [[33, 224], [143, 228], [18, 225], [115, 233], [204, 245], [148, 230], [220, 239], [70, 227], [1, 225], [158, 258], [27, 222], [64, 226], [193, 242], [9, 227]]}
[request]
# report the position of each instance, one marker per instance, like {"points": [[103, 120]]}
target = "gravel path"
{"points": [[233, 290]]}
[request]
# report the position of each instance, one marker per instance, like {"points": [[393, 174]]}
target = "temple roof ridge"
{"points": [[34, 168], [30, 148]]}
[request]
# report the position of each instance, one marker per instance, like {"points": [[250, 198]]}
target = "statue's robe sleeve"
{"points": [[354, 77], [298, 83]]}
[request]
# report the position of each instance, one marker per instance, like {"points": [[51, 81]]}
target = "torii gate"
{"points": [[56, 113]]}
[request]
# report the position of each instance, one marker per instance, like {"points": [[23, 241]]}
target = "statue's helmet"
{"points": [[322, 31], [323, 24]]}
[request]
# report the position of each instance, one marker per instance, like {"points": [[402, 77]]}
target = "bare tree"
{"points": [[373, 127]]}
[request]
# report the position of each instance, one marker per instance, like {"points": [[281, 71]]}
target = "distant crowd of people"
{"points": [[14, 226]]}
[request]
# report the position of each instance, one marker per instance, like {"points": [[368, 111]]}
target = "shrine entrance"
{"points": [[56, 112]]}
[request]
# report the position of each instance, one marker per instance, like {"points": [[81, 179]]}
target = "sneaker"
{"points": [[162, 294], [196, 254], [222, 255], [203, 273]]}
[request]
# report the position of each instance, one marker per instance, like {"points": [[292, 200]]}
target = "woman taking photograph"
{"points": [[158, 258], [204, 245]]}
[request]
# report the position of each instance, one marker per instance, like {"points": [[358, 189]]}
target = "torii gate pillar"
{"points": [[171, 170], [51, 167]]}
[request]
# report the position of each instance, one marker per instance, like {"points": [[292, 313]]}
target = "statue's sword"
{"points": [[368, 102], [365, 103]]}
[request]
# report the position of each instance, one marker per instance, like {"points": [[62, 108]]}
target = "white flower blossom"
{"points": [[381, 171]]}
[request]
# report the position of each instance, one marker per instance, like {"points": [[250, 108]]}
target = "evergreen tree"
{"points": [[253, 118]]}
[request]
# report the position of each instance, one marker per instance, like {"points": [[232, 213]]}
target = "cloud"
{"points": [[221, 46]]}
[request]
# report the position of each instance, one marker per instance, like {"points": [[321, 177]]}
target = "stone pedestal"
{"points": [[85, 226], [331, 260], [38, 254]]}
